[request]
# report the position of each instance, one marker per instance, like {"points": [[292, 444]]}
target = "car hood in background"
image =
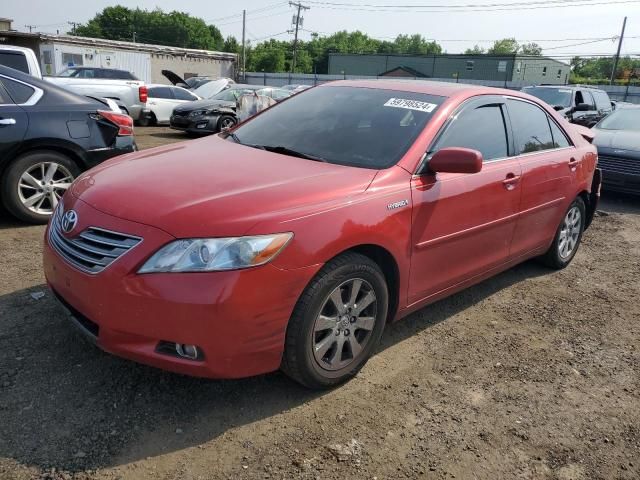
{"points": [[203, 105], [215, 187], [617, 139], [209, 89], [174, 78]]}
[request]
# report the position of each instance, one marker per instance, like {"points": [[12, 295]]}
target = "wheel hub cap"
{"points": [[570, 233], [344, 325], [41, 187]]}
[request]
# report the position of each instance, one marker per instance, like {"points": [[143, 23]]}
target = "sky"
{"points": [[558, 29]]}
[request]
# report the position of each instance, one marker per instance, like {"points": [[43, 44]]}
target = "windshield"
{"points": [[362, 127], [69, 72], [624, 119], [553, 96]]}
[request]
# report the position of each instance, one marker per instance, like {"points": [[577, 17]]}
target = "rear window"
{"points": [[15, 60], [19, 92], [361, 127]]}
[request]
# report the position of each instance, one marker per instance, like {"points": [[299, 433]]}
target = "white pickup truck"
{"points": [[129, 93]]}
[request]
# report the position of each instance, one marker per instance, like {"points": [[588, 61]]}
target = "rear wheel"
{"points": [[35, 182], [148, 120], [337, 323], [568, 236]]}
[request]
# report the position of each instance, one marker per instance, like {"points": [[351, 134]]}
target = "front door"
{"points": [[463, 223]]}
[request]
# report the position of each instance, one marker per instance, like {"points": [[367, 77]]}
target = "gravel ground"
{"points": [[531, 374]]}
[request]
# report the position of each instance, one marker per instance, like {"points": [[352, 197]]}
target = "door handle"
{"points": [[7, 121], [573, 164], [511, 181]]}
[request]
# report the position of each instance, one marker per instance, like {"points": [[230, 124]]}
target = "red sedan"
{"points": [[292, 240]]}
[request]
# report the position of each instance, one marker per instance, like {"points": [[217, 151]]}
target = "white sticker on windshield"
{"points": [[410, 105]]}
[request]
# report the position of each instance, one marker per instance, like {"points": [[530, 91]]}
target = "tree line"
{"points": [[183, 30]]}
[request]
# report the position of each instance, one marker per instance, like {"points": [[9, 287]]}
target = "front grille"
{"points": [[94, 249], [627, 166], [178, 113]]}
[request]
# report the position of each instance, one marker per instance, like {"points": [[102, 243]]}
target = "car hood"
{"points": [[203, 104], [617, 139], [214, 187], [173, 77]]}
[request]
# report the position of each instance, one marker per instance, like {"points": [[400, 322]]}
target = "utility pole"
{"points": [[298, 20], [244, 51], [30, 27], [615, 62], [74, 24], [134, 37]]}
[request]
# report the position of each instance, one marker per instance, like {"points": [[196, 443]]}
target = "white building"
{"points": [[145, 61]]}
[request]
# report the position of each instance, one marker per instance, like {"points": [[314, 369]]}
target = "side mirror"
{"points": [[584, 107], [557, 108], [456, 160]]}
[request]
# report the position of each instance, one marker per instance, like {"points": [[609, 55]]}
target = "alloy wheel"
{"points": [[344, 325], [228, 123], [41, 187], [570, 232]]}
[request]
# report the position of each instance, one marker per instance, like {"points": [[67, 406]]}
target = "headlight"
{"points": [[197, 113], [212, 254]]}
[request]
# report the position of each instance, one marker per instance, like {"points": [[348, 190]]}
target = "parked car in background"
{"points": [[94, 72], [213, 87], [190, 83], [296, 88], [579, 104], [162, 99], [211, 115], [130, 94], [292, 240], [21, 59], [617, 138], [49, 135]]}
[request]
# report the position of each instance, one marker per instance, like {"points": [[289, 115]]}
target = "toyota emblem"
{"points": [[69, 221]]}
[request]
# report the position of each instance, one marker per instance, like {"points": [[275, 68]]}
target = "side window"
{"points": [[19, 92], [160, 92], [530, 127], [4, 97], [481, 128], [183, 94], [559, 138], [15, 60], [583, 96], [602, 100], [470, 65], [87, 73]]}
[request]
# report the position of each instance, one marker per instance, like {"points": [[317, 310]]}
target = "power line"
{"points": [[254, 18], [469, 5], [239, 14]]}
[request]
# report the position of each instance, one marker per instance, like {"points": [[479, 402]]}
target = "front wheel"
{"points": [[337, 322], [226, 121], [34, 183], [568, 236]]}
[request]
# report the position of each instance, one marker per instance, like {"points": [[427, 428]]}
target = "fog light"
{"points": [[187, 351], [201, 125]]}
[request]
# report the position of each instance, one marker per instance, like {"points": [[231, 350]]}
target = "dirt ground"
{"points": [[533, 374]]}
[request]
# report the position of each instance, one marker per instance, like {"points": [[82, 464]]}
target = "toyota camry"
{"points": [[290, 241]]}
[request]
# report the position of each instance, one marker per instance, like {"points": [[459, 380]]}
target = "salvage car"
{"points": [[617, 138], [579, 104], [219, 112], [162, 99], [48, 136], [292, 240]]}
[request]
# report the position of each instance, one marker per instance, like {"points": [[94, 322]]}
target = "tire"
{"points": [[227, 121], [148, 121], [16, 192], [563, 249], [335, 335]]}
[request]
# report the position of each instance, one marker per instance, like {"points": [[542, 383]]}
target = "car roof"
{"points": [[14, 48], [443, 89], [567, 87]]}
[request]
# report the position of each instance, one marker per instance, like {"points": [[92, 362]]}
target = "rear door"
{"points": [[463, 223], [548, 161], [161, 102], [14, 121]]}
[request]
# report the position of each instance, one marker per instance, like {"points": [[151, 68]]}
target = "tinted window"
{"points": [[4, 97], [15, 60], [559, 138], [115, 74], [602, 100], [530, 127], [481, 129], [19, 92], [160, 92], [363, 127], [183, 94], [553, 96]]}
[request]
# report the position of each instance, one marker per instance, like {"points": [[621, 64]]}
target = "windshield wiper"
{"points": [[234, 137], [288, 151]]}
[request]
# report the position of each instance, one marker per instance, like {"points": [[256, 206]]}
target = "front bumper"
{"points": [[203, 124], [238, 318]]}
